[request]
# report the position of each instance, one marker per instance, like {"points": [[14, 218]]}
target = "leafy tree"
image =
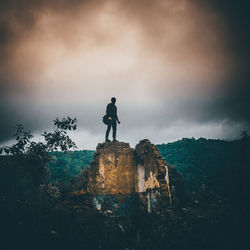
{"points": [[244, 134], [31, 158]]}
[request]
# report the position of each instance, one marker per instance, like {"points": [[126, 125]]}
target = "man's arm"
{"points": [[108, 110], [116, 117]]}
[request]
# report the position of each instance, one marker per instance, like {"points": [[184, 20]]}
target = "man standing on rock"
{"points": [[111, 113]]}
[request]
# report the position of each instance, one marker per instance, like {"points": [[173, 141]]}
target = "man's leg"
{"points": [[107, 131], [114, 130]]}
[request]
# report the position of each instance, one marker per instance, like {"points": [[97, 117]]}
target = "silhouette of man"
{"points": [[111, 112]]}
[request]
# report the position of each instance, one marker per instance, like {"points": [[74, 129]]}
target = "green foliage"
{"points": [[68, 165], [23, 140], [205, 161], [244, 134], [29, 159], [58, 139]]}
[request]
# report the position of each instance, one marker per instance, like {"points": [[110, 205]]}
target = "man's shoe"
{"points": [[114, 140], [107, 140]]}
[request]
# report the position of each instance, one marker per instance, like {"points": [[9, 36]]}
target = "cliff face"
{"points": [[113, 169], [118, 169], [152, 170]]}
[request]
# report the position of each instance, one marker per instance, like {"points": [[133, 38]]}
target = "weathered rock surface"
{"points": [[152, 170], [118, 169], [113, 169]]}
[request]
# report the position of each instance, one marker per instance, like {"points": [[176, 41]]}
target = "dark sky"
{"points": [[179, 68]]}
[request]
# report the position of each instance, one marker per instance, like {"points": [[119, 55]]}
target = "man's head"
{"points": [[113, 100]]}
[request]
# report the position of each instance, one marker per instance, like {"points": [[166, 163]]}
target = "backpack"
{"points": [[105, 119]]}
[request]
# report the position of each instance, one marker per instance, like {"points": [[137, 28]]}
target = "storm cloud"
{"points": [[178, 68]]}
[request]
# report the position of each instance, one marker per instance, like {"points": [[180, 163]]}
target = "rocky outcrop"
{"points": [[152, 170], [113, 169], [119, 169], [153, 167]]}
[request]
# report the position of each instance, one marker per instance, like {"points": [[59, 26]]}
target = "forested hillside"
{"points": [[66, 166], [202, 162]]}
